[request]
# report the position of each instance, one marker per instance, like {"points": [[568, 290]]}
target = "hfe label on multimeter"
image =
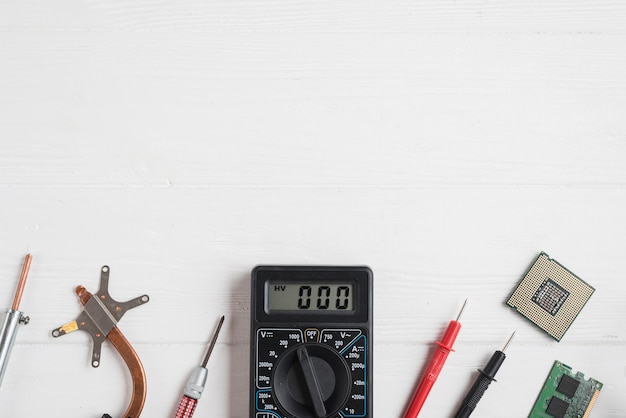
{"points": [[311, 342]]}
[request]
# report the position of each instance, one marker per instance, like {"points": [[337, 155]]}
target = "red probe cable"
{"points": [[434, 367]]}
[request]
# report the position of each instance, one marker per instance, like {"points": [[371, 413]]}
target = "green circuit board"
{"points": [[566, 394]]}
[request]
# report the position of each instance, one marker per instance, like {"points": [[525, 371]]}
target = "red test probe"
{"points": [[434, 367]]}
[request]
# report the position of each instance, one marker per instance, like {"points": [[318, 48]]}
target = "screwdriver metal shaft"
{"points": [[482, 382], [197, 381]]}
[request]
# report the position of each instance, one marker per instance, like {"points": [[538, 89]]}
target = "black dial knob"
{"points": [[311, 381]]}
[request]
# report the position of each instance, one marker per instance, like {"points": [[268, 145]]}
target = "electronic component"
{"points": [[550, 296], [99, 319], [567, 386], [557, 407], [566, 395]]}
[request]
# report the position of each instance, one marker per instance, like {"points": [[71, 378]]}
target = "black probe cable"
{"points": [[482, 382]]}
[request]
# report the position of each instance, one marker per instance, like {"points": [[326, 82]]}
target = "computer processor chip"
{"points": [[550, 296]]}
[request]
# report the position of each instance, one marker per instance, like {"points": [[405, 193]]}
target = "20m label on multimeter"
{"points": [[311, 342]]}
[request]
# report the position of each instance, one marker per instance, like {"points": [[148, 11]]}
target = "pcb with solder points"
{"points": [[550, 296], [566, 394]]}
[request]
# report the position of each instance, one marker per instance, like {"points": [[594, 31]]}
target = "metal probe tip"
{"points": [[462, 309], [22, 282], [509, 341], [213, 341]]}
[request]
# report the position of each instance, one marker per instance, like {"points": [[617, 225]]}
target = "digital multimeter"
{"points": [[311, 342]]}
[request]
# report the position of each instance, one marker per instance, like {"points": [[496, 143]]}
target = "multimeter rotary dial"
{"points": [[311, 381]]}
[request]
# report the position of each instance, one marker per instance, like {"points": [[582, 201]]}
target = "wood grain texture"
{"points": [[578, 16], [311, 109], [444, 144]]}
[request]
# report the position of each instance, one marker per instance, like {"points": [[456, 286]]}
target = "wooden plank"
{"points": [[311, 109], [576, 16]]}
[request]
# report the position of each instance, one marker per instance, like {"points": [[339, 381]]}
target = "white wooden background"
{"points": [[182, 142]]}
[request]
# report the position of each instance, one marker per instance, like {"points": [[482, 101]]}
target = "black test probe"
{"points": [[482, 382]]}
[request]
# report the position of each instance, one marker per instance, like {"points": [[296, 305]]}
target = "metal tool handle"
{"points": [[186, 407], [12, 319], [8, 332]]}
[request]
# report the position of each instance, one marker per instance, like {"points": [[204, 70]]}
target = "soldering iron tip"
{"points": [[20, 286]]}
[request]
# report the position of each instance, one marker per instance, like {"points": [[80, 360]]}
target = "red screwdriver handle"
{"points": [[433, 369], [186, 407]]}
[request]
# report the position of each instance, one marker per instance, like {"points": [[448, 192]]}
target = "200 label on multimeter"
{"points": [[311, 350]]}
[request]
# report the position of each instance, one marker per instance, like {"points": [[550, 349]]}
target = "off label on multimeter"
{"points": [[311, 350]]}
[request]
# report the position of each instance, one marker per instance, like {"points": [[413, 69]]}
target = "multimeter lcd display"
{"points": [[306, 296]]}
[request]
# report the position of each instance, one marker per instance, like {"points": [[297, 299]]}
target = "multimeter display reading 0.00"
{"points": [[307, 296]]}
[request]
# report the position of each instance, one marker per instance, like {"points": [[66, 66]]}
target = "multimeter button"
{"points": [[311, 381], [339, 338]]}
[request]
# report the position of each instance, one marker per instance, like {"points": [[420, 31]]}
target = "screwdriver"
{"points": [[482, 382], [197, 380], [434, 367]]}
